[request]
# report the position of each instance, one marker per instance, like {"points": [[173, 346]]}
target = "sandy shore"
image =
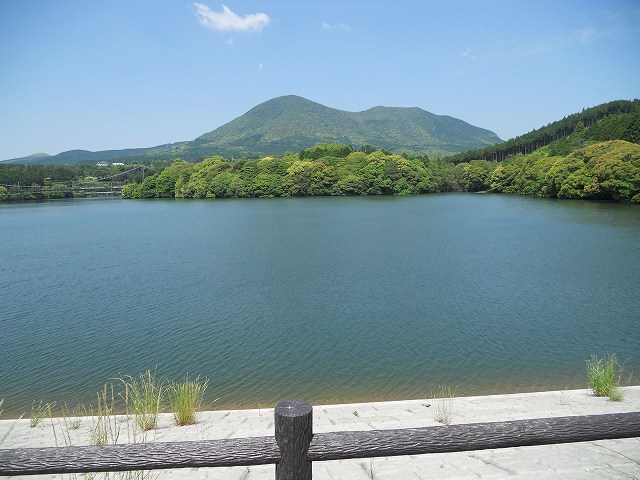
{"points": [[611, 459]]}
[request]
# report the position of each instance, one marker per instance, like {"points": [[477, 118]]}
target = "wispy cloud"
{"points": [[260, 67], [231, 42], [607, 24], [588, 35], [526, 49], [469, 54], [336, 26], [230, 21]]}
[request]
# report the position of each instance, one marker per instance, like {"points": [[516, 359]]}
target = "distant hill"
{"points": [[293, 123], [617, 120], [86, 156]]}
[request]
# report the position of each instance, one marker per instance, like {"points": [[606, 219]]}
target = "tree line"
{"points": [[605, 170]]}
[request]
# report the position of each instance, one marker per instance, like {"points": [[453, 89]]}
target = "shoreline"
{"points": [[351, 397]]}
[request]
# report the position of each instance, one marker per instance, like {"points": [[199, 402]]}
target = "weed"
{"points": [[39, 412], [369, 469], [604, 375], [444, 404], [355, 413], [245, 475], [13, 425], [185, 399], [105, 428], [73, 418], [144, 396]]}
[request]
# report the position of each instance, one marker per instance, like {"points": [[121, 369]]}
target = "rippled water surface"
{"points": [[325, 299]]}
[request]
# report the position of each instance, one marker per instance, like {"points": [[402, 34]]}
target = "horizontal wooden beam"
{"points": [[475, 436], [142, 456], [324, 446]]}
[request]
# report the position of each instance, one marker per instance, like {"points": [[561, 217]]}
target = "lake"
{"points": [[323, 299]]}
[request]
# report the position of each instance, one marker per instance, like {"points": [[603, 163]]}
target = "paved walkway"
{"points": [[610, 459]]}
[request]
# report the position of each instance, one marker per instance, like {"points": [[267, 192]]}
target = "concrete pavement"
{"points": [[609, 459]]}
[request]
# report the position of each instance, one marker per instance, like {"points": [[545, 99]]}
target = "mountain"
{"points": [[293, 123]]}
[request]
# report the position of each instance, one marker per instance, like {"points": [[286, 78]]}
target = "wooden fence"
{"points": [[294, 446]]}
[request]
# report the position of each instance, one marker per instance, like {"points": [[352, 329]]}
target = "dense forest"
{"points": [[604, 170], [618, 120]]}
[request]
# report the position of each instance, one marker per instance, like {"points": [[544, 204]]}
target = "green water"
{"points": [[324, 299]]}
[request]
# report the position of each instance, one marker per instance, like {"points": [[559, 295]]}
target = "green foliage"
{"points": [[185, 399], [618, 120], [475, 176], [39, 412], [604, 376], [144, 395], [326, 150], [167, 179], [604, 171]]}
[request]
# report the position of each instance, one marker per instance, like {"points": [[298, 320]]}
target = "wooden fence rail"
{"points": [[294, 446]]}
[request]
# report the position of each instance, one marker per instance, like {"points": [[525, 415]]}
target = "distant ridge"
{"points": [[293, 123], [86, 156]]}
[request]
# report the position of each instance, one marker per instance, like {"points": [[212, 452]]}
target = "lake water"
{"points": [[323, 299]]}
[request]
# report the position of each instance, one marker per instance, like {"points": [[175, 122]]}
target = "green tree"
{"points": [[268, 185], [374, 175], [298, 178], [350, 185], [166, 181], [325, 150]]}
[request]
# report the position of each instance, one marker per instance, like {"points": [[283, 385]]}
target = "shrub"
{"points": [[185, 399], [143, 397], [604, 375]]}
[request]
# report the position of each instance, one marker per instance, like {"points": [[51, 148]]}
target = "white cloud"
{"points": [[228, 20], [260, 67], [338, 26], [469, 54], [231, 42]]}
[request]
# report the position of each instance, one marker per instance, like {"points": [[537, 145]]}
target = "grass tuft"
{"points": [[185, 399], [604, 376], [144, 394], [369, 469], [444, 404], [40, 412], [8, 432], [105, 428]]}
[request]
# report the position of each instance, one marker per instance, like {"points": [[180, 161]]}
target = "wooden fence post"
{"points": [[294, 430]]}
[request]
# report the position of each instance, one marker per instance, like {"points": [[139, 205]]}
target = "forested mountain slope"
{"points": [[617, 120], [292, 123]]}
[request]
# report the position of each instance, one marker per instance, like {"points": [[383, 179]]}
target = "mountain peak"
{"points": [[293, 123]]}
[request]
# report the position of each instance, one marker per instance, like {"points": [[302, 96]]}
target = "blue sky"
{"points": [[99, 75]]}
